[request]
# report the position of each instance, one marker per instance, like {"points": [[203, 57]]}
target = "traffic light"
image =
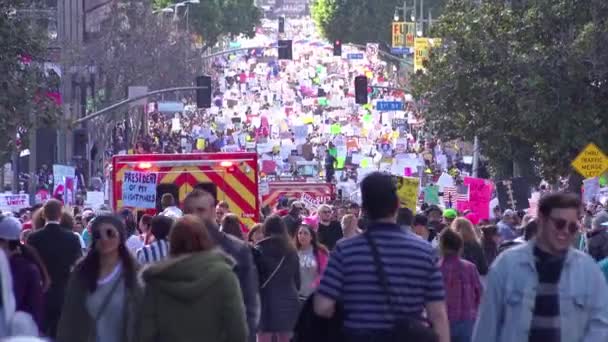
{"points": [[337, 48], [281, 25], [285, 49], [361, 90], [203, 95]]}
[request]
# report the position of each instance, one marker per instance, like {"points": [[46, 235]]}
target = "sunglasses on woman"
{"points": [[107, 234], [561, 224]]}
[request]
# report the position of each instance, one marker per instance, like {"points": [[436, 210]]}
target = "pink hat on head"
{"points": [[312, 221], [473, 218]]}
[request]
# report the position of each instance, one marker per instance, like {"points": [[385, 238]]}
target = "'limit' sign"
{"points": [[591, 162]]}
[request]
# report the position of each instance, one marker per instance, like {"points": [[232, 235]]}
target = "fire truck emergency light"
{"points": [[144, 165]]}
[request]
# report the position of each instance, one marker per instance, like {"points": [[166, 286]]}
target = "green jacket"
{"points": [[195, 297], [76, 324]]}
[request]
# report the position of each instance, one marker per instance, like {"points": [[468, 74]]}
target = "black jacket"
{"points": [[246, 272], [59, 249], [473, 252]]}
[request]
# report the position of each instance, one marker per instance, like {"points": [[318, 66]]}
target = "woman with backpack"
{"points": [[279, 268]]}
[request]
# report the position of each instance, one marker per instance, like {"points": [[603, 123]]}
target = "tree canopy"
{"points": [[24, 86], [530, 80], [213, 19], [361, 21]]}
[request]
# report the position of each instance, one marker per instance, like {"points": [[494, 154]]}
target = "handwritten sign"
{"points": [[310, 202], [14, 203], [139, 189], [407, 190]]}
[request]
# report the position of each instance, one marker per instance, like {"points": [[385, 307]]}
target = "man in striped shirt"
{"points": [[410, 263], [159, 249]]}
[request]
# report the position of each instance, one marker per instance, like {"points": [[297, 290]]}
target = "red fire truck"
{"points": [[233, 176], [297, 188]]}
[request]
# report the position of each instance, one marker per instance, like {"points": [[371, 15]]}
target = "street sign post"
{"points": [[387, 106], [591, 162], [354, 56], [400, 50]]}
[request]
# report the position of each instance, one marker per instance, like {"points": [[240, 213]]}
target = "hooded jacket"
{"points": [[193, 296]]}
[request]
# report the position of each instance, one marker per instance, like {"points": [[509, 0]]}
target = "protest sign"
{"points": [[591, 188], [407, 190], [95, 199], [513, 193], [431, 194], [42, 196], [14, 202], [139, 189], [480, 194], [310, 202], [300, 132], [335, 129], [64, 183]]}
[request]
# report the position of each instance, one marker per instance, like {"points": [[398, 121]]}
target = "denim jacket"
{"points": [[507, 305]]}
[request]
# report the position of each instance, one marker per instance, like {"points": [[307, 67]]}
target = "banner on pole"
{"points": [[398, 34]]}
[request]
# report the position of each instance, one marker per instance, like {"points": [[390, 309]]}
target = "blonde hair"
{"points": [[348, 219], [465, 228], [323, 207]]}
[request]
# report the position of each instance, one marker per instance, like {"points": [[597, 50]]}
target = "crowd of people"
{"points": [[301, 111], [194, 272]]}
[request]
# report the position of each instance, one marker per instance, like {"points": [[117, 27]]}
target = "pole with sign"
{"points": [[591, 162], [398, 34]]}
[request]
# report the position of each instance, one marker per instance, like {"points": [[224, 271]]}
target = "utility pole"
{"points": [[422, 17], [475, 156], [33, 158]]}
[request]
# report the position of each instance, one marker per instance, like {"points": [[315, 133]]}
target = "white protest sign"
{"points": [[445, 180], [265, 147], [14, 202], [95, 199], [310, 202], [591, 188], [300, 132], [139, 189]]}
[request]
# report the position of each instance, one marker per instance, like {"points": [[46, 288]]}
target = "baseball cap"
{"points": [[450, 213], [10, 228]]}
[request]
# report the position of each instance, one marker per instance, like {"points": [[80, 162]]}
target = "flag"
{"points": [[453, 194]]}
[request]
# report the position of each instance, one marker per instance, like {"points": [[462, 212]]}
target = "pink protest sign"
{"points": [[462, 206], [480, 194]]}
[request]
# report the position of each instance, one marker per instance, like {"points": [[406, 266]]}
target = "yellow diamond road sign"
{"points": [[591, 162]]}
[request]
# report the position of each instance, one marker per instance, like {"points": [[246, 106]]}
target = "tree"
{"points": [[24, 85], [135, 47], [530, 81], [212, 19], [361, 21]]}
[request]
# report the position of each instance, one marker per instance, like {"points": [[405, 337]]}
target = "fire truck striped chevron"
{"points": [[233, 174]]}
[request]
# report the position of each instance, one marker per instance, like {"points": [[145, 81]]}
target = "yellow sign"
{"points": [[421, 54], [407, 190], [422, 47], [398, 34], [591, 162], [410, 34]]}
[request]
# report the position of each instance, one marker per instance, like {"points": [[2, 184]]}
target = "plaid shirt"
{"points": [[462, 288]]}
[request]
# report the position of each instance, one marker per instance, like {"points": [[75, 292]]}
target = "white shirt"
{"points": [[134, 243]]}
